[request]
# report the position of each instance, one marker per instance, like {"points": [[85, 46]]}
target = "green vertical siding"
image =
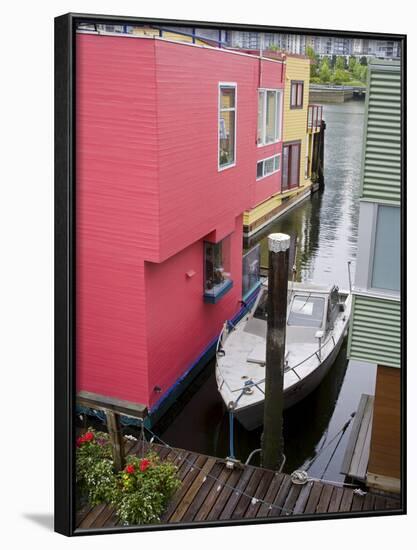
{"points": [[374, 334], [382, 155]]}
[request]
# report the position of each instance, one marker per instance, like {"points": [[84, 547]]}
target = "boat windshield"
{"points": [[261, 311], [306, 311]]}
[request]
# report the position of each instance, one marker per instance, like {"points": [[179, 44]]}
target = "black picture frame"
{"points": [[65, 247]]}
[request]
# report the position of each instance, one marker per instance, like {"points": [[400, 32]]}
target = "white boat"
{"points": [[317, 323]]}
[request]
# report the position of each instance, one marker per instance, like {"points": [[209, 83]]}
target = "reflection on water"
{"points": [[326, 229]]}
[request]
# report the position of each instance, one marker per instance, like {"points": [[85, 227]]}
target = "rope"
{"points": [[323, 448], [301, 477], [231, 435]]}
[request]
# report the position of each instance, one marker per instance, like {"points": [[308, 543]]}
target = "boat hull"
{"points": [[251, 417]]}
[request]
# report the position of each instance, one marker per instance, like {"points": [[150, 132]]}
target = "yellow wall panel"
{"points": [[295, 120]]}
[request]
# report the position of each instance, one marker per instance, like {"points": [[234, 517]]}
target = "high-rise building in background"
{"points": [[322, 45]]}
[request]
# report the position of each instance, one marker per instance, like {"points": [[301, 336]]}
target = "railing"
{"points": [[315, 115]]}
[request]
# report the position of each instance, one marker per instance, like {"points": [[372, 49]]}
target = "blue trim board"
{"points": [[214, 298]]}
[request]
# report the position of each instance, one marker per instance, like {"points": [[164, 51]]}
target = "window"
{"points": [[261, 311], [387, 258], [251, 270], [269, 116], [290, 165], [268, 166], [306, 311], [297, 92], [217, 279], [227, 125]]}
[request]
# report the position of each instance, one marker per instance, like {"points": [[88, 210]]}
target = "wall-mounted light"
{"points": [[190, 273]]}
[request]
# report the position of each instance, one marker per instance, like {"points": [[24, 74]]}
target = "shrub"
{"points": [[144, 489], [139, 493], [95, 479]]}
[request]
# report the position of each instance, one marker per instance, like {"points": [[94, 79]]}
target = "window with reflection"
{"points": [[269, 116], [217, 277], [297, 92], [227, 125], [387, 249]]}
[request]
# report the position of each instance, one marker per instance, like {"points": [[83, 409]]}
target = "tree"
{"points": [[358, 71], [363, 74], [340, 76], [363, 60], [352, 63], [325, 72], [340, 63], [333, 61], [314, 61]]}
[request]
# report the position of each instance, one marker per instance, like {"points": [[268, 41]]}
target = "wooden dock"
{"points": [[355, 461], [211, 492]]}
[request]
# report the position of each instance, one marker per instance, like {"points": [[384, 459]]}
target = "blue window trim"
{"points": [[214, 298]]}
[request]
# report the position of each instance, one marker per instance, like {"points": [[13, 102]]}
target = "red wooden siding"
{"points": [[180, 325], [116, 201]]}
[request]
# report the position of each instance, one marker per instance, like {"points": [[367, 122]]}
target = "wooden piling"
{"points": [[113, 409], [272, 439]]}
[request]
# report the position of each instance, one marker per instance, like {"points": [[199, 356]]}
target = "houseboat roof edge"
{"points": [[205, 47]]}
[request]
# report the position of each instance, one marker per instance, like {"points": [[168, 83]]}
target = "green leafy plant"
{"points": [[95, 478], [144, 489], [139, 493]]}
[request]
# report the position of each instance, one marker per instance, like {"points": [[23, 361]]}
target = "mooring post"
{"points": [[272, 439], [116, 439]]}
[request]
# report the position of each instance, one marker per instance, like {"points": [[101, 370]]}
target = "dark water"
{"points": [[326, 229]]}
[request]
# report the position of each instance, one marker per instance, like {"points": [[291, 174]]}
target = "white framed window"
{"points": [[269, 116], [386, 261], [227, 125], [268, 166], [378, 263]]}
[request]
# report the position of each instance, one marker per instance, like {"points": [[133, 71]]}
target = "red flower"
{"points": [[144, 464], [130, 469], [89, 436], [80, 440]]}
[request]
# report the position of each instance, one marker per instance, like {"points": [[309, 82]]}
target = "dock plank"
{"points": [[369, 502], [336, 499], [235, 495], [214, 505], [188, 472], [350, 447], [260, 493], [303, 497], [270, 495], [186, 501], [204, 491], [282, 494], [347, 499], [92, 516], [245, 501], [359, 462], [357, 503], [324, 500], [313, 498], [289, 504]]}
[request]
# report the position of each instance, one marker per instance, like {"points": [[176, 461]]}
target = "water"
{"points": [[326, 227]]}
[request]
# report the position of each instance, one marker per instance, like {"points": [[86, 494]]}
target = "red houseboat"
{"points": [[174, 142]]}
